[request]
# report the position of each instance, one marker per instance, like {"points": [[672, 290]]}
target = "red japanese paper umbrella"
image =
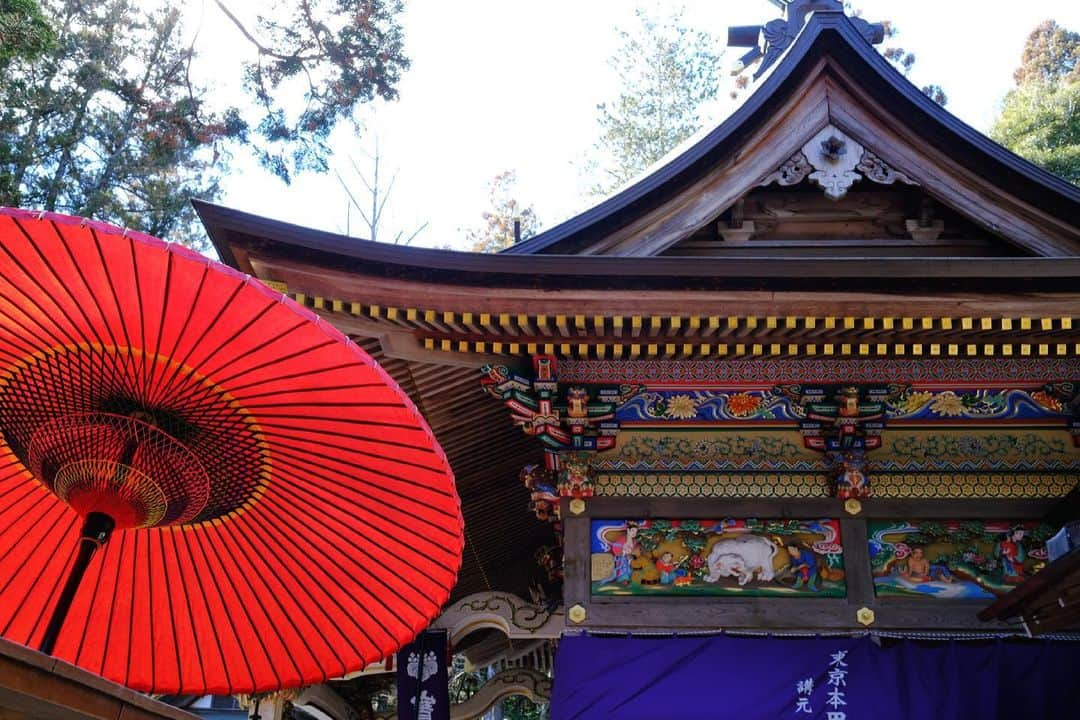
{"points": [[267, 507]]}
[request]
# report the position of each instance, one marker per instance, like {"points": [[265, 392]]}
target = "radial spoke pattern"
{"points": [[324, 531]]}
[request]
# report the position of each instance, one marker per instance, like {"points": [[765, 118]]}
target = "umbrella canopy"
{"points": [[253, 502]]}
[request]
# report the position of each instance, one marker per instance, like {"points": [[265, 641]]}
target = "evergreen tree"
{"points": [[1040, 117], [111, 119], [24, 32], [667, 71], [108, 124], [497, 229]]}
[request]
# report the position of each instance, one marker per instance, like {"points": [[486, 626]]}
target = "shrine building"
{"points": [[815, 380]]}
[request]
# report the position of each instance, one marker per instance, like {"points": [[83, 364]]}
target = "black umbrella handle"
{"points": [[95, 532]]}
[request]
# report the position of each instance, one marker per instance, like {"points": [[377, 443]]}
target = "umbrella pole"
{"points": [[96, 530]]}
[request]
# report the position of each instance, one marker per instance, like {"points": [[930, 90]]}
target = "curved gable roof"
{"points": [[827, 36]]}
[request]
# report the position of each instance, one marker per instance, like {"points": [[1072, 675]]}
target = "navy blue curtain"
{"points": [[819, 678]]}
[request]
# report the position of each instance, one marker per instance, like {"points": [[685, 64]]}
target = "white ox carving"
{"points": [[741, 557]]}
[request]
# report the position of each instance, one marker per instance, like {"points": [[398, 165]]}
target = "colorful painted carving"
{"points": [[1065, 398], [582, 419], [575, 475], [954, 559], [850, 478], [543, 495], [766, 558], [842, 418], [844, 423], [913, 404]]}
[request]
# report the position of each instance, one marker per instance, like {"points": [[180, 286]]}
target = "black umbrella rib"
{"points": [[197, 646], [218, 371], [210, 616], [116, 303], [303, 564], [47, 337], [54, 592], [27, 489], [426, 448], [259, 600], [303, 390], [200, 341], [22, 537], [165, 289], [358, 530], [360, 491], [179, 366], [37, 579], [64, 285], [151, 535], [239, 388], [120, 544], [131, 614], [43, 292], [139, 304], [150, 583], [362, 572], [310, 458], [242, 548], [440, 470], [406, 546], [348, 421], [203, 544], [326, 404]]}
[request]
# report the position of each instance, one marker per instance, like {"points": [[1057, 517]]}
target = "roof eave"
{"points": [[231, 229]]}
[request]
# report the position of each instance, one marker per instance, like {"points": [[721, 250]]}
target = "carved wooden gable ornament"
{"points": [[831, 114]]}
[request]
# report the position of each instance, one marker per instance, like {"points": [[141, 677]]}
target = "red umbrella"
{"points": [[267, 507]]}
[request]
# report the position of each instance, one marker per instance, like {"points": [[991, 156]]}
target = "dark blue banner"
{"points": [[819, 679], [422, 683]]}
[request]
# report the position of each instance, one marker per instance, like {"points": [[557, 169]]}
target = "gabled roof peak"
{"points": [[830, 74], [769, 41]]}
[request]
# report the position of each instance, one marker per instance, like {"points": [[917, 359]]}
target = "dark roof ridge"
{"points": [[1039, 187]]}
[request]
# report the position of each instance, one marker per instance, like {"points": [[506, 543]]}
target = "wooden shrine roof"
{"points": [[463, 308], [243, 238], [831, 39]]}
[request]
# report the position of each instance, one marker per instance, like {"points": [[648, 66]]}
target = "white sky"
{"points": [[510, 84]]}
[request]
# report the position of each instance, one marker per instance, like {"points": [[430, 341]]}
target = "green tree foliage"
{"points": [[336, 54], [108, 124], [666, 71], [24, 32], [111, 119], [1040, 117], [496, 231]]}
